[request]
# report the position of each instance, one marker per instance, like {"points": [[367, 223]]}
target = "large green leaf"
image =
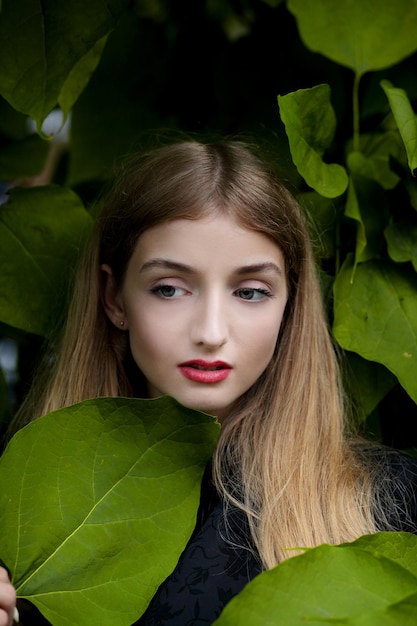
{"points": [[97, 501], [42, 42], [41, 230], [310, 124], [406, 120], [358, 584], [375, 315], [364, 36]]}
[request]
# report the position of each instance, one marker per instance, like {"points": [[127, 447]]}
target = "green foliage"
{"points": [[310, 123], [355, 34], [41, 230], [376, 316], [49, 50], [88, 499], [373, 269], [405, 119], [370, 581], [402, 242]]}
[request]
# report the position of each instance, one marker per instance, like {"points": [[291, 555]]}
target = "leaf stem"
{"points": [[337, 247], [355, 103]]}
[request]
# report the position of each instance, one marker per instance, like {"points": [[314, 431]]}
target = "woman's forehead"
{"points": [[210, 239]]}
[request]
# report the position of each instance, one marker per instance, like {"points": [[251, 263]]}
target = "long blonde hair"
{"points": [[283, 455]]}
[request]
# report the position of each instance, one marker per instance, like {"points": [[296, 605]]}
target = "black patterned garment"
{"points": [[209, 574]]}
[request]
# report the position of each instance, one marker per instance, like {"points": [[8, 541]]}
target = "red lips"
{"points": [[201, 371]]}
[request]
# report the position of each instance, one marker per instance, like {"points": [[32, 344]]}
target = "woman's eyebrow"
{"points": [[254, 268], [166, 264]]}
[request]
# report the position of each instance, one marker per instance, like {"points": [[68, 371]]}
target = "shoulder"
{"points": [[397, 481], [398, 466]]}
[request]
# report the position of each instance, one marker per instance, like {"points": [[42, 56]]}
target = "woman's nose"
{"points": [[210, 323]]}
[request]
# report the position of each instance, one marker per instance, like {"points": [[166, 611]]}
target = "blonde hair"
{"points": [[283, 455]]}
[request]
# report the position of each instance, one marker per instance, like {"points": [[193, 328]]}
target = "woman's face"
{"points": [[202, 301]]}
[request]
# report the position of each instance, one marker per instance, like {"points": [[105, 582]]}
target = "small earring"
{"points": [[122, 323]]}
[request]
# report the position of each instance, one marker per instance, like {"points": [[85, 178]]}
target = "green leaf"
{"points": [[405, 118], [402, 242], [345, 584], [42, 42], [79, 76], [41, 231], [367, 382], [403, 612], [353, 211], [97, 501], [366, 204], [399, 547], [363, 36], [310, 123], [376, 165], [375, 315]]}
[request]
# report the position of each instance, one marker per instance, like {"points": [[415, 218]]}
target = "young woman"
{"points": [[199, 282]]}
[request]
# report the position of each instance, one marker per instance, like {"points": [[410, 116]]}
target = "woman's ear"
{"points": [[111, 298]]}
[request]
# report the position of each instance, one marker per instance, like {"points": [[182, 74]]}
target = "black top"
{"points": [[214, 567]]}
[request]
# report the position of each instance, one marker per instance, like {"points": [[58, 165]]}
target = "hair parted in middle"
{"points": [[283, 455]]}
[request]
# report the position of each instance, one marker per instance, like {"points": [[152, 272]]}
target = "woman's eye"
{"points": [[168, 291], [253, 294]]}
